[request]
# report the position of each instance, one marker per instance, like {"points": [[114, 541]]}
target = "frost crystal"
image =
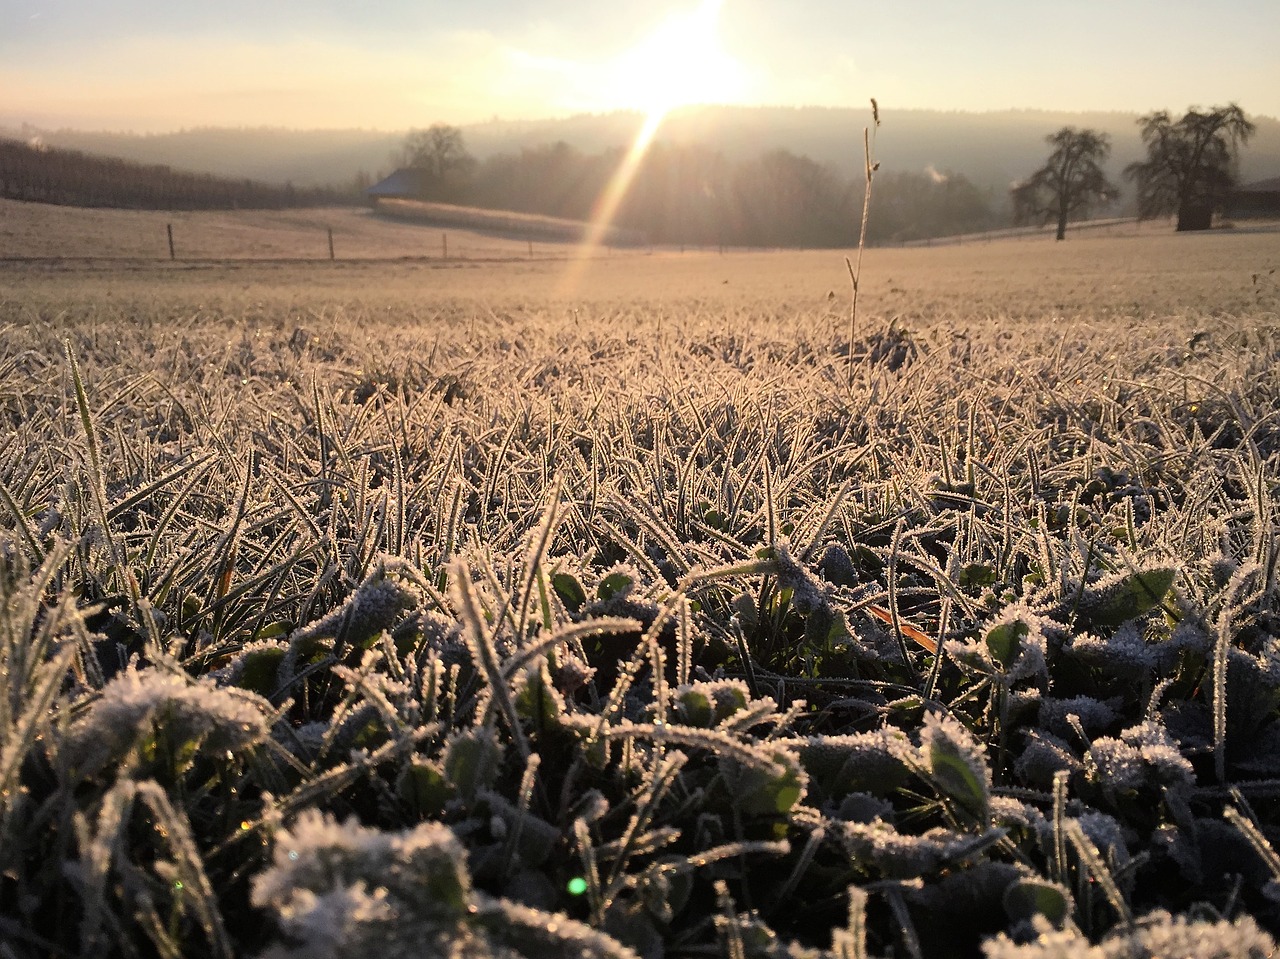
{"points": [[328, 921], [807, 594], [709, 703], [375, 605], [1094, 715], [1143, 755], [343, 889], [1125, 649], [1188, 636], [1008, 811], [1014, 644], [1043, 756], [191, 713], [903, 855], [422, 868], [872, 762], [1268, 660], [1116, 764], [1157, 935], [956, 762], [444, 635]]}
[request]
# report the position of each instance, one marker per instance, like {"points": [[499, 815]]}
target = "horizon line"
{"points": [[13, 123]]}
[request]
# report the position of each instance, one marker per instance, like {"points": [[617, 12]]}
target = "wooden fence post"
{"points": [[330, 229], [169, 229], [444, 245]]}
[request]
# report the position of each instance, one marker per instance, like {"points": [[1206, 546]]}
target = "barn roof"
{"points": [[405, 182]]}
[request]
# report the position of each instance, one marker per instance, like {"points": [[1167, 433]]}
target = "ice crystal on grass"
{"points": [[188, 714], [1043, 756], [1125, 595], [1116, 765], [708, 704], [1124, 650], [514, 931], [377, 603], [1188, 636], [339, 887], [1143, 755], [451, 665], [874, 762], [1157, 935], [305, 741], [1093, 715], [807, 593], [572, 674], [1162, 936], [862, 807], [331, 922], [1012, 646], [899, 855], [758, 790], [342, 889], [256, 667], [1105, 832], [420, 870], [473, 760], [956, 763], [442, 634], [1007, 811], [1050, 943]]}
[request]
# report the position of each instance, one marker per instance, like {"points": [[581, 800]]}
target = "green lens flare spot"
{"points": [[577, 886]]}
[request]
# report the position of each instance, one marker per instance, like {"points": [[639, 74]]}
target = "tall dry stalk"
{"points": [[855, 271]]}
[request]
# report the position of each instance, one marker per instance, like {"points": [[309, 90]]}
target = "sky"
{"points": [[152, 67]]}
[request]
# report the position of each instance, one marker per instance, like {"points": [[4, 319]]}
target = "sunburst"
{"points": [[682, 62]]}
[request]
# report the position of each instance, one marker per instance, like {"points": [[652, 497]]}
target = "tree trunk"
{"points": [[1062, 226], [1194, 215]]}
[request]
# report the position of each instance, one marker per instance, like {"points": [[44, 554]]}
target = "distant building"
{"points": [[407, 183], [1259, 200]]}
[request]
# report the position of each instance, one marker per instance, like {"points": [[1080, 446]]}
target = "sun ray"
{"points": [[679, 64]]}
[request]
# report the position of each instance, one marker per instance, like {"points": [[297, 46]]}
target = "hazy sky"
{"points": [[145, 65]]}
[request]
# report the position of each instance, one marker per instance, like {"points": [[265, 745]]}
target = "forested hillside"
{"points": [[990, 148], [73, 178]]}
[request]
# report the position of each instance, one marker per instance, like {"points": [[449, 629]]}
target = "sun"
{"points": [[682, 62]]}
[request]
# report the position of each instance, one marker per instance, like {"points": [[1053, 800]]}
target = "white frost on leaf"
{"points": [[192, 713]]}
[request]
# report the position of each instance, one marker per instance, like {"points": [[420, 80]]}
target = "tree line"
{"points": [[69, 177], [691, 194], [687, 193]]}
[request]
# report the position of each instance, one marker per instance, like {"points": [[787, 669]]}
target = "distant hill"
{"points": [[992, 149], [305, 158], [47, 174]]}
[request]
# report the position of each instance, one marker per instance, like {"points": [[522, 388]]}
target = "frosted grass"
{"points": [[462, 612]]}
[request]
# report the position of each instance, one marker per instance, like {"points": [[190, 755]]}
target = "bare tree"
{"points": [[440, 153], [1190, 163], [1070, 182]]}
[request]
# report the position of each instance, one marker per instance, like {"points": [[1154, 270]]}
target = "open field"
{"points": [[103, 256], [43, 231], [484, 609]]}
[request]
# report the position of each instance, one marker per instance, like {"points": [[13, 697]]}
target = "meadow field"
{"points": [[514, 606]]}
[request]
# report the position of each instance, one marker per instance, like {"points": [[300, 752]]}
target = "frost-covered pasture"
{"points": [[449, 613]]}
